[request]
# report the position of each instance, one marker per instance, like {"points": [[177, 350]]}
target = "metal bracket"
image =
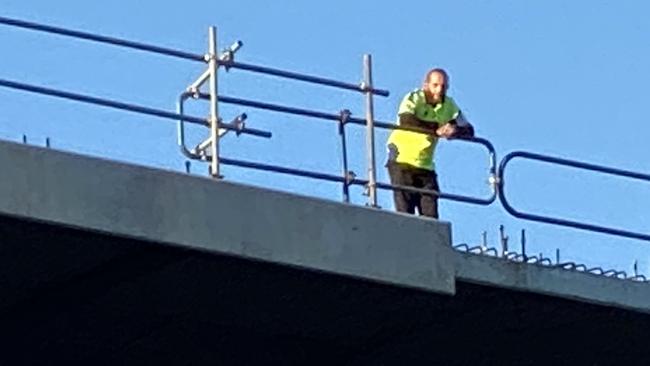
{"points": [[209, 57], [494, 181], [364, 86], [344, 117], [239, 124], [228, 54], [366, 192], [350, 176], [220, 176]]}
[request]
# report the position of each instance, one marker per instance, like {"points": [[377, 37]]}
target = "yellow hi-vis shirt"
{"points": [[413, 148]]}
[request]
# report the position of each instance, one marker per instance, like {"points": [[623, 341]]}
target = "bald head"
{"points": [[435, 85]]}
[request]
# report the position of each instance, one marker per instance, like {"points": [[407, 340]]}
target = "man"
{"points": [[410, 154]]}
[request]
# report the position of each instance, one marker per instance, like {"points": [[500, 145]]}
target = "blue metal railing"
{"points": [[496, 173], [102, 39], [345, 179], [123, 106], [303, 77], [563, 222], [348, 178]]}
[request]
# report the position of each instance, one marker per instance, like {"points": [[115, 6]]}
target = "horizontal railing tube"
{"points": [[101, 39], [122, 106], [448, 196], [563, 222], [98, 101], [301, 77], [300, 111], [273, 107], [280, 169], [575, 164]]}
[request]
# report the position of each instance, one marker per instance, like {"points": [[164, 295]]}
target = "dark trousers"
{"points": [[407, 175]]}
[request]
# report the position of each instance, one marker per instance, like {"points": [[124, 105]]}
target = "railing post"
{"points": [[344, 115], [214, 102], [370, 131]]}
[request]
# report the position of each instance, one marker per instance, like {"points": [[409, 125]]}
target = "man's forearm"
{"points": [[464, 130], [462, 127], [409, 120]]}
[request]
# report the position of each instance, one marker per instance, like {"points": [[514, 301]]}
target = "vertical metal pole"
{"points": [[370, 131], [504, 241], [346, 189], [181, 126], [523, 244], [214, 102]]}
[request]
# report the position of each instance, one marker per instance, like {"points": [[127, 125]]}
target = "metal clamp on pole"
{"points": [[494, 182], [344, 117], [238, 125], [228, 55], [350, 177], [203, 149]]}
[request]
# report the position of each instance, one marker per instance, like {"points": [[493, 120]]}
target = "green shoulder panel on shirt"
{"points": [[411, 101]]}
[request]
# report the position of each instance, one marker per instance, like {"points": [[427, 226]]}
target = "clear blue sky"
{"points": [[566, 79]]}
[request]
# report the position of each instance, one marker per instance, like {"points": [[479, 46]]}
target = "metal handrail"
{"points": [[122, 106], [362, 122], [497, 174], [291, 171], [301, 77], [227, 61], [564, 222], [102, 39]]}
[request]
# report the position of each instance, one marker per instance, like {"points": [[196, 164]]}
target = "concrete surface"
{"points": [[109, 263], [575, 285], [168, 207]]}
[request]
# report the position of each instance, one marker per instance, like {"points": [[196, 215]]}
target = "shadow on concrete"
{"points": [[78, 297]]}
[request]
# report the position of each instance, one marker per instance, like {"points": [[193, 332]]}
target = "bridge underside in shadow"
{"points": [[81, 297], [109, 263]]}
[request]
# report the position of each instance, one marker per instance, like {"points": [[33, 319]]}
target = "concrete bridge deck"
{"points": [[104, 262]]}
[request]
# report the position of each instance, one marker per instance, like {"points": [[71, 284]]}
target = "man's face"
{"points": [[435, 87]]}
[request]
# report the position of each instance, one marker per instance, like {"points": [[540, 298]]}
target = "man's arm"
{"points": [[410, 120], [406, 113], [456, 128], [463, 127]]}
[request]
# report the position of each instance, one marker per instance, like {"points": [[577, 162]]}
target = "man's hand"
{"points": [[447, 130]]}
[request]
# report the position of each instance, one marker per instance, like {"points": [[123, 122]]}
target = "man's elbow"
{"points": [[464, 131], [408, 120]]}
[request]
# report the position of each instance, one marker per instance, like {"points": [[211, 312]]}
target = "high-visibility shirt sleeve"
{"points": [[408, 103], [460, 119]]}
